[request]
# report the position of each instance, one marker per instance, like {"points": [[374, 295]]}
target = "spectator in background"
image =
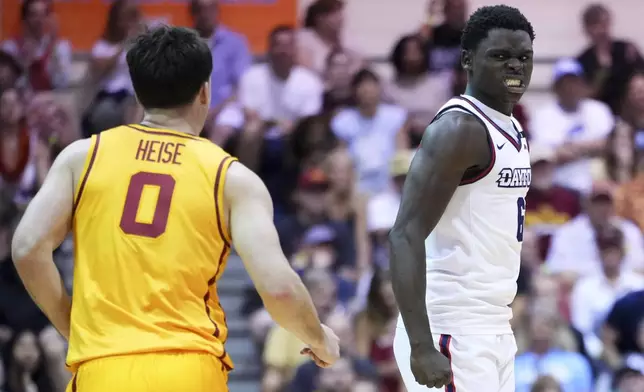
{"points": [[280, 91], [10, 70], [273, 97], [546, 384], [612, 283], [230, 54], [337, 82], [44, 55], [319, 250], [322, 35], [548, 206], [310, 143], [414, 88], [545, 356], [575, 126], [282, 350], [635, 359], [608, 63], [347, 205], [24, 156], [375, 327], [622, 333], [26, 370], [310, 209], [114, 104], [583, 259], [307, 375], [444, 40], [623, 156], [628, 380], [372, 130]]}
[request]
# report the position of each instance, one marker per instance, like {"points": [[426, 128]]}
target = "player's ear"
{"points": [[466, 59], [204, 94]]}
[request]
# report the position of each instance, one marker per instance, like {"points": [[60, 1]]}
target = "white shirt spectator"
{"points": [[591, 300], [300, 95], [573, 247], [371, 142], [59, 65], [552, 126], [119, 77]]}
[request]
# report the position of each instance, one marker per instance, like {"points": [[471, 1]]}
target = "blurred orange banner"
{"points": [[82, 21]]}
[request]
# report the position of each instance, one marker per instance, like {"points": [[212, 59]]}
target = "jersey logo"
{"points": [[500, 146], [519, 177]]}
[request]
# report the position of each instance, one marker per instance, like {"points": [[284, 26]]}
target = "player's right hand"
{"points": [[326, 355], [430, 368]]}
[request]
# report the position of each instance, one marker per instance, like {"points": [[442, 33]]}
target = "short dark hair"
{"points": [[25, 8], [168, 66], [493, 17], [363, 75], [397, 56], [319, 8], [593, 13]]}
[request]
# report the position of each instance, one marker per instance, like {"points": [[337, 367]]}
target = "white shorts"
{"points": [[480, 363]]}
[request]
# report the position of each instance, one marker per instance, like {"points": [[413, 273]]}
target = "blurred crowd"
{"points": [[333, 141]]}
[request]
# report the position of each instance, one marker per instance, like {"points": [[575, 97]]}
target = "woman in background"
{"points": [[24, 364], [372, 130], [414, 88], [375, 328], [114, 103], [348, 205]]}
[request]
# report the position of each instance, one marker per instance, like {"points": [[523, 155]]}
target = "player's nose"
{"points": [[514, 65]]}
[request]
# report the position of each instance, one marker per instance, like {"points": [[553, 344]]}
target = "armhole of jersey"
{"points": [[87, 168], [220, 181], [517, 127], [474, 174]]}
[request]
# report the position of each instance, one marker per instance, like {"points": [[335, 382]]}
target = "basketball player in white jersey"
{"points": [[456, 242]]}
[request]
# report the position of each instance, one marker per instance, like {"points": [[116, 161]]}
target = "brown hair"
{"points": [[111, 32], [319, 8], [593, 13], [546, 384]]}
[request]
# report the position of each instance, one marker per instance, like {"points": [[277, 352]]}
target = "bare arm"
{"points": [[42, 228], [449, 147], [255, 239]]}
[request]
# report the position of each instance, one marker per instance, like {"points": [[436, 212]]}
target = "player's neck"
{"points": [[170, 121], [501, 107]]}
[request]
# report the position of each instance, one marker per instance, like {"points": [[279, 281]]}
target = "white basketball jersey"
{"points": [[473, 254]]}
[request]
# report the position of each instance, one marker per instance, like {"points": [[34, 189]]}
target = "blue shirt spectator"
{"points": [[230, 58], [571, 370]]}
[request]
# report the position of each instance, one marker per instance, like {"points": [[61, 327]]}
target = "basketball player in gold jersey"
{"points": [[155, 210]]}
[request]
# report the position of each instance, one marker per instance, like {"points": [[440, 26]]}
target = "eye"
{"points": [[500, 56], [525, 58]]}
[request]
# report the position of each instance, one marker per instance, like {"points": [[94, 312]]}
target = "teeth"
{"points": [[512, 82]]}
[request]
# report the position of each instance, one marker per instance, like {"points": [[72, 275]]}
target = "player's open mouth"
{"points": [[514, 83]]}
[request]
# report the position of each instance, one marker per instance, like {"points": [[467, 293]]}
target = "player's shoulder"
{"points": [[242, 182], [75, 154], [456, 137], [457, 126]]}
